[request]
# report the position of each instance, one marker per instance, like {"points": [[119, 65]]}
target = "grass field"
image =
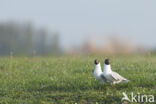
{"points": [[70, 80]]}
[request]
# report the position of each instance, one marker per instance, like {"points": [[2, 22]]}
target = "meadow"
{"points": [[70, 80]]}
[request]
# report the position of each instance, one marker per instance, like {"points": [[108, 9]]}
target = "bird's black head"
{"points": [[107, 62], [96, 62]]}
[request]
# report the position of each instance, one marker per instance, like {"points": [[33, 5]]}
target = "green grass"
{"points": [[70, 80]]}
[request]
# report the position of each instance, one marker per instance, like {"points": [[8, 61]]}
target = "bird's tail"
{"points": [[125, 81]]}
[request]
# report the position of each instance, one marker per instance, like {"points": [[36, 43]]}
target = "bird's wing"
{"points": [[103, 77], [117, 77]]}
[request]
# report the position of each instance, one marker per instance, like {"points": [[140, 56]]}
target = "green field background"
{"points": [[70, 80]]}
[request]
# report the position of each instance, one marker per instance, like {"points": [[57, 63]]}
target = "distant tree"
{"points": [[15, 38], [29, 38], [41, 42], [24, 39], [8, 37], [55, 47]]}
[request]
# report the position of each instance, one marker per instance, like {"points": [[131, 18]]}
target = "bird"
{"points": [[98, 74], [111, 76]]}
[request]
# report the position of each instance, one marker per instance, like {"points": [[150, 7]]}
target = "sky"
{"points": [[78, 20]]}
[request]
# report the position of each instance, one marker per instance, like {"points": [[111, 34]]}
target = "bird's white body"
{"points": [[98, 73], [112, 77]]}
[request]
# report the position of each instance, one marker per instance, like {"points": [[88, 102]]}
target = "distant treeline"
{"points": [[25, 39]]}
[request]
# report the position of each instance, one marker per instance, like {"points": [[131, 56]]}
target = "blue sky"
{"points": [[76, 20]]}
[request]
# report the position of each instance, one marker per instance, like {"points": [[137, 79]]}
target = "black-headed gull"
{"points": [[98, 72], [110, 76]]}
